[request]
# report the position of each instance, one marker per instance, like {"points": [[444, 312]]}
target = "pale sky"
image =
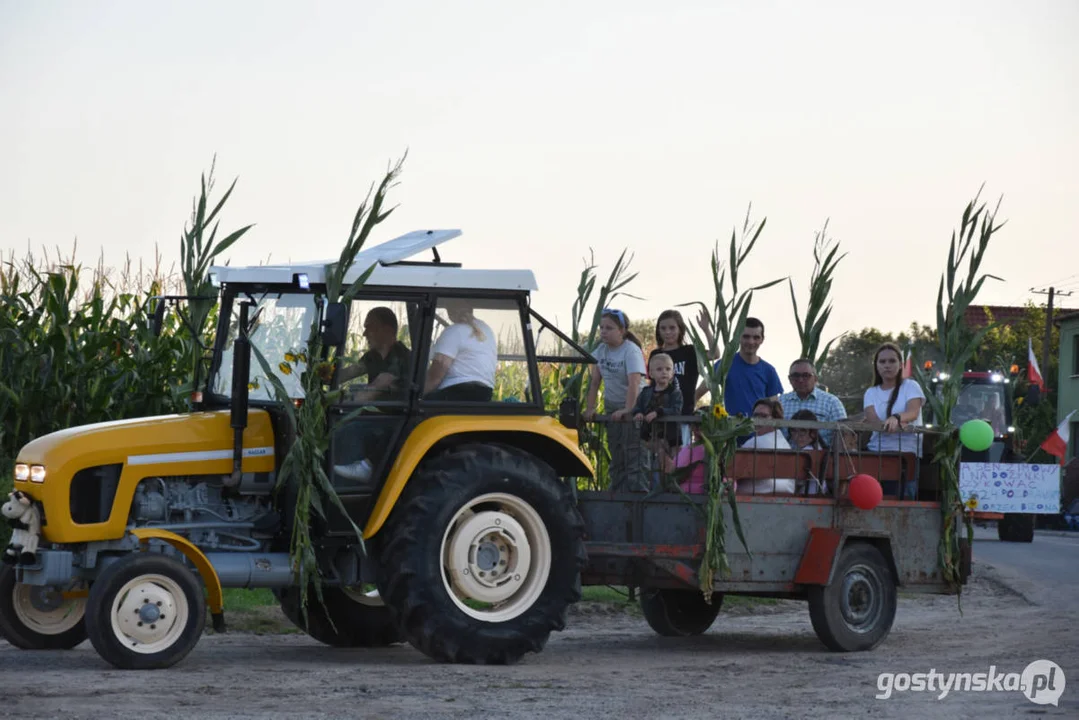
{"points": [[544, 129]]}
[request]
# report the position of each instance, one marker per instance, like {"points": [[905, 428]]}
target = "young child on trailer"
{"points": [[662, 398]]}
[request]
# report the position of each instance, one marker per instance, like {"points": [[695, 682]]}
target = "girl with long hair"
{"points": [[620, 368], [896, 402]]}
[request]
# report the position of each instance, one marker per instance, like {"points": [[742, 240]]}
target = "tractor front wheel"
{"points": [[855, 611], [35, 617], [483, 556], [679, 613], [145, 611]]}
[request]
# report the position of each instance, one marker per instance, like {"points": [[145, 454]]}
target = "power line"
{"points": [[1061, 281]]}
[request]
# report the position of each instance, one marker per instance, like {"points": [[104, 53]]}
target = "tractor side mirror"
{"points": [[333, 324], [569, 413]]}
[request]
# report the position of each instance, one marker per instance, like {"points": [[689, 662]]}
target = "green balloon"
{"points": [[976, 435]]}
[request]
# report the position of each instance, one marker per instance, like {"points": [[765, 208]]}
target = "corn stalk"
{"points": [[719, 430], [77, 348], [957, 344], [304, 464], [198, 248], [818, 307]]}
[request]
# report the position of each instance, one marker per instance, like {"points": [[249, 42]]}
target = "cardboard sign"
{"points": [[1011, 488]]}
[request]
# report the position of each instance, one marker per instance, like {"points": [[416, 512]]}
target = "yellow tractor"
{"points": [[441, 451]]}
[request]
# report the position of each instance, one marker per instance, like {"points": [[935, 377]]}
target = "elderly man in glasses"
{"points": [[807, 396]]}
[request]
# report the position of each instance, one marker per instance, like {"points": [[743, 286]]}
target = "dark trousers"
{"points": [[463, 392]]}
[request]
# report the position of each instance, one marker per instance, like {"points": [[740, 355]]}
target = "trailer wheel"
{"points": [[145, 611], [35, 617], [346, 618], [1016, 527], [679, 613], [855, 611], [483, 556]]}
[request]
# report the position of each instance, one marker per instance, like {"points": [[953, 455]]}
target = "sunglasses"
{"points": [[618, 314], [800, 376]]}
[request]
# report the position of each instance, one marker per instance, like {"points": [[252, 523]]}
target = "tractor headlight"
{"points": [[37, 473], [1011, 429], [22, 472]]}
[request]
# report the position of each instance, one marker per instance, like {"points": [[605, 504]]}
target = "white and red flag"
{"points": [[1057, 442], [1034, 373]]}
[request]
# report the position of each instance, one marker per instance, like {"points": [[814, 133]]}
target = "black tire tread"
{"points": [[353, 625], [678, 612], [446, 634], [24, 638], [823, 602], [1016, 528], [99, 606]]}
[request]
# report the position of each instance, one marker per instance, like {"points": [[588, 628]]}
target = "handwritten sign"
{"points": [[1014, 488]]}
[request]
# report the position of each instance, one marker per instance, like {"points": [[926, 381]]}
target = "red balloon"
{"points": [[865, 492]]}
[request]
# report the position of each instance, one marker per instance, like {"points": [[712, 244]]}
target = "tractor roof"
{"points": [[392, 268]]}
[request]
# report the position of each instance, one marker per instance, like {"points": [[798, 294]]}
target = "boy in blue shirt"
{"points": [[750, 378]]}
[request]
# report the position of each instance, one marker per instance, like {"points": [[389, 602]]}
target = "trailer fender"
{"points": [[214, 596], [822, 550]]}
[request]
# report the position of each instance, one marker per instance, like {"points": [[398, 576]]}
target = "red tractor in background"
{"points": [[988, 396]]}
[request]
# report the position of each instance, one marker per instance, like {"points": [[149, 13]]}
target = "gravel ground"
{"points": [[759, 662]]}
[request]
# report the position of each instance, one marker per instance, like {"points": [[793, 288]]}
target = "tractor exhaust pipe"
{"points": [[241, 372]]}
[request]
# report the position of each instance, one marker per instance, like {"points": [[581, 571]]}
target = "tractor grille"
{"points": [[92, 493]]}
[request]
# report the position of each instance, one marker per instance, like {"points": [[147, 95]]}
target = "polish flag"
{"points": [[1034, 373], [1057, 442]]}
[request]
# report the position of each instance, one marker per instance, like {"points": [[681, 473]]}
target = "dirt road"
{"points": [[767, 664]]}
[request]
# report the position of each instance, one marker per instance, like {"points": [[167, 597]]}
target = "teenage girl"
{"points": [[620, 368]]}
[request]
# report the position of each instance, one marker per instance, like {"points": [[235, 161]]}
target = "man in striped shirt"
{"points": [[807, 396]]}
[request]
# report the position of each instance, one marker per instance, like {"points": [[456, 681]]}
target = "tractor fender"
{"points": [[823, 547], [541, 435], [214, 597]]}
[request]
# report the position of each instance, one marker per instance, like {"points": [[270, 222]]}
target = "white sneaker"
{"points": [[355, 471]]}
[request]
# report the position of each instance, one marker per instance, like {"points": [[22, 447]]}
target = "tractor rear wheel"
{"points": [[482, 556], [34, 617], [679, 613], [1016, 527], [855, 611], [347, 618]]}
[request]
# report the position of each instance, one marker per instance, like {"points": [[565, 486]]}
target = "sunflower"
{"points": [[972, 503], [285, 368], [302, 358], [718, 411], [289, 357]]}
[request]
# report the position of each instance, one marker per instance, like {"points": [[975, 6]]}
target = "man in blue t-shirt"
{"points": [[750, 379]]}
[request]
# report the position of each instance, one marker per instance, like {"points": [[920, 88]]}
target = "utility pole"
{"points": [[1048, 326]]}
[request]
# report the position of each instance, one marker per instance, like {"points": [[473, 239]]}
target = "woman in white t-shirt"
{"points": [[897, 402], [464, 358]]}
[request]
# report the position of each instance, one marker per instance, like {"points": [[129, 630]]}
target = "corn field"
{"points": [[76, 348]]}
